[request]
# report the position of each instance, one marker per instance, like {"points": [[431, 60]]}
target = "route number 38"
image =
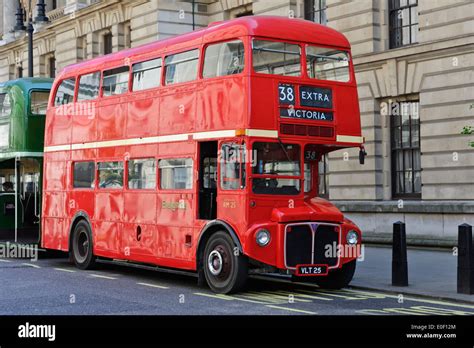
{"points": [[286, 94]]}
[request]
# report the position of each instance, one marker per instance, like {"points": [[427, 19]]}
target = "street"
{"points": [[55, 287]]}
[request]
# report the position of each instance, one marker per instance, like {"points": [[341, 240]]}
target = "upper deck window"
{"points": [[223, 59], [181, 67], [65, 92], [39, 102], [115, 81], [88, 86], [277, 58], [327, 64], [146, 74], [5, 106]]}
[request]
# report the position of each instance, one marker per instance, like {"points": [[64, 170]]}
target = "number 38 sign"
{"points": [[286, 94]]}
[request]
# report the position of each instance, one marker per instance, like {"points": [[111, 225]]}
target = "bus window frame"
{"points": [[174, 190], [28, 106], [97, 175], [147, 59], [124, 94], [94, 183], [53, 97], [183, 50], [243, 166], [251, 175], [127, 186], [78, 80], [204, 47], [351, 65], [303, 73]]}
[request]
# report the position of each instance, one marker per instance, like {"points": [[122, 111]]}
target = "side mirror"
{"points": [[362, 155]]}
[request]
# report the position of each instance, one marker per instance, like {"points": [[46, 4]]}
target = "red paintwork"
{"points": [[244, 101]]}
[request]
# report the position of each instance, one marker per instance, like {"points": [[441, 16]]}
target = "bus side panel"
{"points": [[108, 216], [179, 106], [84, 124], [263, 99], [139, 223], [111, 120], [58, 126], [143, 114], [222, 104]]}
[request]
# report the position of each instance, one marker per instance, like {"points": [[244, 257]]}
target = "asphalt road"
{"points": [[54, 286]]}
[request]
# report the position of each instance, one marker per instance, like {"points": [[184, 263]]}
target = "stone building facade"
{"points": [[414, 61]]}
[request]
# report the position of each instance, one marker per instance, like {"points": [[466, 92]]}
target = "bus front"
{"points": [[304, 102]]}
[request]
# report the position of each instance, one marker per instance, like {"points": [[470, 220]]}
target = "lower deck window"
{"points": [[176, 174], [83, 173], [111, 175]]}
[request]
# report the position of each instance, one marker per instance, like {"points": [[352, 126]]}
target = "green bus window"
{"points": [[65, 92], [83, 175], [223, 59], [176, 174], [111, 175], [277, 58], [5, 106], [181, 67], [115, 81], [146, 74], [142, 174], [39, 103], [88, 86]]}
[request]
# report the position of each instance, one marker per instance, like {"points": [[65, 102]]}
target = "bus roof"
{"points": [[28, 83], [265, 26]]}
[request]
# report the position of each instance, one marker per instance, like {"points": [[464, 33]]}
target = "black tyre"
{"points": [[225, 271], [339, 278], [81, 248]]}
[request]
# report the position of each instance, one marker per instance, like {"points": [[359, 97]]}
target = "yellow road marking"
{"points": [[415, 310], [336, 294], [280, 297], [218, 296], [281, 292], [31, 265], [154, 285], [65, 270], [291, 309], [102, 276], [261, 297]]}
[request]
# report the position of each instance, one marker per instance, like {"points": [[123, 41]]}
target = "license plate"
{"points": [[311, 270]]}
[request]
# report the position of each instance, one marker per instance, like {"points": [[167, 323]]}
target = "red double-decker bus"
{"points": [[200, 153]]}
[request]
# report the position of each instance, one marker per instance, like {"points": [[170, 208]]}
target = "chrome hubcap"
{"points": [[214, 262]]}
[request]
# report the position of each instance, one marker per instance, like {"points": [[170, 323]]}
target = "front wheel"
{"points": [[81, 248], [339, 278], [225, 268]]}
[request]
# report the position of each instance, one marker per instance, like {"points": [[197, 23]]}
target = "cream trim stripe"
{"points": [[161, 139], [349, 139]]}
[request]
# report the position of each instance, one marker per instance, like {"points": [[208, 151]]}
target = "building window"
{"points": [[52, 67], [107, 43], [406, 156], [323, 168], [403, 22], [19, 72], [176, 174], [315, 11], [83, 175]]}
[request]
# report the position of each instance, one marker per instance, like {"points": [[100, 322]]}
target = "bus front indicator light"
{"points": [[263, 237], [352, 237]]}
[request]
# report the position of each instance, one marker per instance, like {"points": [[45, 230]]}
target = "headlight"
{"points": [[262, 237], [352, 237]]}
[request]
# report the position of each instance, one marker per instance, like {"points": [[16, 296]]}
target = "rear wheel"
{"points": [[81, 250], [339, 278], [224, 269]]}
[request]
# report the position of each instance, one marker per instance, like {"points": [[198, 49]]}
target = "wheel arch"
{"points": [[79, 216], [208, 230]]}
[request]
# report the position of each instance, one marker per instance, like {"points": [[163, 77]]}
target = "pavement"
{"points": [[431, 272]]}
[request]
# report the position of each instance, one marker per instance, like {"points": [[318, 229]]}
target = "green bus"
{"points": [[23, 105]]}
